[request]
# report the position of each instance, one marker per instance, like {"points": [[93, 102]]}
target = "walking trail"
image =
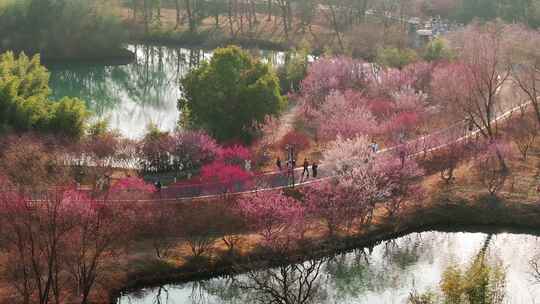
{"points": [[286, 121]]}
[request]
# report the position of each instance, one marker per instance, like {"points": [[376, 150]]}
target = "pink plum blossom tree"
{"points": [[234, 155], [226, 177], [344, 155], [470, 87], [401, 180], [58, 247], [129, 187], [331, 73], [274, 216], [345, 115], [299, 140], [192, 149]]}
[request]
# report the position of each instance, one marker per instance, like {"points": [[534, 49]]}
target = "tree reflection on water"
{"points": [[132, 96], [150, 80], [385, 273], [291, 284]]}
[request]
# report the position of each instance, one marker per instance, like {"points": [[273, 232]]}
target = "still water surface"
{"points": [[384, 274], [134, 95]]}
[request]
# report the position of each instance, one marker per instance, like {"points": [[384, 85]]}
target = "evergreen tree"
{"points": [[230, 94]]}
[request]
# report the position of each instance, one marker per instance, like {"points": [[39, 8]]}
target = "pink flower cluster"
{"points": [[344, 97]]}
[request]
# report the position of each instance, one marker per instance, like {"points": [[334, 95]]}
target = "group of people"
{"points": [[291, 165]]}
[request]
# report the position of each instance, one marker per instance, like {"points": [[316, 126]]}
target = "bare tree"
{"points": [[474, 88], [525, 47], [178, 7], [523, 132], [286, 13], [200, 230], [335, 14], [298, 284]]}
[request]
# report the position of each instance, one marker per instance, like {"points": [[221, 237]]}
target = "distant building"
{"points": [[433, 28]]}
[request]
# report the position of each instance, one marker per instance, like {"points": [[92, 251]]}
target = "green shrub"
{"points": [[25, 103], [437, 50], [293, 71], [396, 58], [230, 94]]}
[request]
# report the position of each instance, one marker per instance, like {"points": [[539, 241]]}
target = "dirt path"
{"points": [[286, 122]]}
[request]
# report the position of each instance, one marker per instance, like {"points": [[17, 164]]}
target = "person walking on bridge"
{"points": [[314, 167], [306, 168], [289, 168], [158, 186], [278, 164]]}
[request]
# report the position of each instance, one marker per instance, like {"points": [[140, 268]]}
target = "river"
{"points": [[134, 95], [386, 273]]}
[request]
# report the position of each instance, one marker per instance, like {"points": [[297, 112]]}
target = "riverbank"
{"points": [[114, 57], [449, 215], [207, 39]]}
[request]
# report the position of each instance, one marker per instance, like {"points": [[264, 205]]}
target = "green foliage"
{"points": [[68, 117], [437, 50], [452, 284], [293, 71], [480, 283], [153, 132], [25, 103], [483, 281], [57, 29], [428, 297], [396, 58], [98, 128], [230, 94]]}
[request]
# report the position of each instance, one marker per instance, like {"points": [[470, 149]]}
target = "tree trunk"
{"points": [[145, 16], [241, 16], [269, 10], [134, 8], [177, 5], [502, 162], [249, 15], [284, 18], [159, 12], [254, 10], [216, 18], [189, 13], [230, 15], [536, 106], [335, 25], [362, 10]]}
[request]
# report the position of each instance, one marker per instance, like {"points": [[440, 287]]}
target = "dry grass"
{"points": [[520, 186]]}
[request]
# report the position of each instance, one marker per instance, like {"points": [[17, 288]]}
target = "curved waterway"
{"points": [[386, 273], [134, 95]]}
